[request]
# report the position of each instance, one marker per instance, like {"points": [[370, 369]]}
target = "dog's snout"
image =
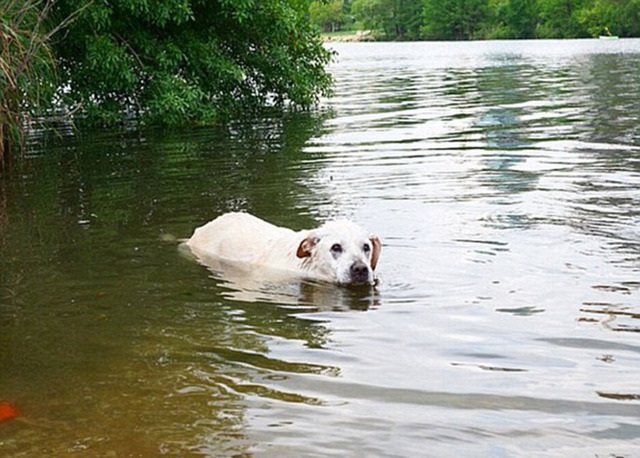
{"points": [[359, 272]]}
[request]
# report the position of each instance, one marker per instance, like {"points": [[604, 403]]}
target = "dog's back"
{"points": [[237, 237]]}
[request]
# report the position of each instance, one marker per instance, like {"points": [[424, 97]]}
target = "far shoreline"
{"points": [[355, 36], [369, 37]]}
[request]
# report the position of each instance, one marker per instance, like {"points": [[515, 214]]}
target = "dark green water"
{"points": [[504, 181]]}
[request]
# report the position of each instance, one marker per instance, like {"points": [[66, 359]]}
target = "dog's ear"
{"points": [[305, 247], [375, 252]]}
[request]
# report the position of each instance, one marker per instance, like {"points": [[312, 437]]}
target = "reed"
{"points": [[27, 71]]}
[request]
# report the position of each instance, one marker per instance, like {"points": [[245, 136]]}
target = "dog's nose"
{"points": [[359, 272]]}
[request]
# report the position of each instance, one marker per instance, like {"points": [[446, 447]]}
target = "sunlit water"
{"points": [[504, 181]]}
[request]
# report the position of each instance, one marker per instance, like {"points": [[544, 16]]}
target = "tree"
{"points": [[455, 19], [617, 17], [398, 19], [561, 19], [327, 16], [188, 61], [631, 19], [407, 19], [369, 12], [515, 19]]}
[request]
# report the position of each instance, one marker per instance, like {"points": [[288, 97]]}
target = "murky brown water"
{"points": [[504, 180]]}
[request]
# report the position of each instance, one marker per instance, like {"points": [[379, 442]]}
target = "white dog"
{"points": [[338, 251]]}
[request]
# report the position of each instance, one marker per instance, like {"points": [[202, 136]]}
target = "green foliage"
{"points": [[560, 18], [369, 12], [327, 16], [504, 19], [615, 17], [398, 19], [514, 19], [455, 19], [189, 61], [406, 19]]}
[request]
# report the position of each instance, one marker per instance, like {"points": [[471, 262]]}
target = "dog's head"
{"points": [[341, 251]]}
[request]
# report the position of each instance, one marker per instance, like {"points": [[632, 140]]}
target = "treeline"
{"points": [[480, 19]]}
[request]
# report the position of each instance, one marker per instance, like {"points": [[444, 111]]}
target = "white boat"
{"points": [[609, 35]]}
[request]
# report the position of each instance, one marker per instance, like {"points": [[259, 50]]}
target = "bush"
{"points": [[169, 62], [189, 61]]}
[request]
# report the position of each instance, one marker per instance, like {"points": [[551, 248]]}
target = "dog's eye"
{"points": [[366, 248], [336, 248]]}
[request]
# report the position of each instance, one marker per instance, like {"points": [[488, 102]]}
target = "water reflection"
{"points": [[246, 283], [95, 305], [613, 83]]}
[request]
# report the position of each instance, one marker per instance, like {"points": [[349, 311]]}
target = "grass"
{"points": [[28, 79]]}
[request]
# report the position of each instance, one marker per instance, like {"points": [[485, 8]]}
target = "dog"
{"points": [[338, 251]]}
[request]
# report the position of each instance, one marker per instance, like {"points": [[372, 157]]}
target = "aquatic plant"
{"points": [[27, 70]]}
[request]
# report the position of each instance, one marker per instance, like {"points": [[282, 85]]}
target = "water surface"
{"points": [[504, 181]]}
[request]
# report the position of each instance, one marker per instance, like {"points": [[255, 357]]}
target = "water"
{"points": [[504, 181]]}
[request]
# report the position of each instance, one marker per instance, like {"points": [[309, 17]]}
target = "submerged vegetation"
{"points": [[168, 62], [480, 19]]}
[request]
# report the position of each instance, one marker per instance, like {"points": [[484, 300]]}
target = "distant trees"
{"points": [[327, 15], [614, 17], [561, 18], [399, 19], [486, 19], [455, 19], [515, 19]]}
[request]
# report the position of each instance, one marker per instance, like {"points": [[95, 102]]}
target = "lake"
{"points": [[504, 181]]}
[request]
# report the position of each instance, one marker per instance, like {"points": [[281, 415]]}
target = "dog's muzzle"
{"points": [[359, 272]]}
